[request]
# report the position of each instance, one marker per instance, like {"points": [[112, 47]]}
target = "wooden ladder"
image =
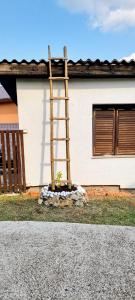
{"points": [[65, 118]]}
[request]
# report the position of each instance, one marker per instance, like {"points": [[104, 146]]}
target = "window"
{"points": [[114, 130]]}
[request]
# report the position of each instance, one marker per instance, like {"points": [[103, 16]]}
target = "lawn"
{"points": [[99, 211]]}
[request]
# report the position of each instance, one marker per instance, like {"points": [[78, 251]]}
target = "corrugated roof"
{"points": [[23, 61], [71, 62], [77, 69]]}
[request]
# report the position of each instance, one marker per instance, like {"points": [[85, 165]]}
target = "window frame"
{"points": [[116, 108]]}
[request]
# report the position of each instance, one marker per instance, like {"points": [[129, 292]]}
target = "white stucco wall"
{"points": [[33, 107]]}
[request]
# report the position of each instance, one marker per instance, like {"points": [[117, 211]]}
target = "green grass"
{"points": [[105, 211]]}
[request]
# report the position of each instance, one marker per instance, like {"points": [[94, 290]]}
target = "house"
{"points": [[8, 111], [102, 119]]}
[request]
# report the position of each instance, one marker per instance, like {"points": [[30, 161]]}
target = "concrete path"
{"points": [[56, 261]]}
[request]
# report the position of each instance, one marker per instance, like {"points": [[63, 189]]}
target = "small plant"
{"points": [[59, 176]]}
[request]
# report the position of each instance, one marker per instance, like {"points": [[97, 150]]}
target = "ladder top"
{"points": [[57, 58]]}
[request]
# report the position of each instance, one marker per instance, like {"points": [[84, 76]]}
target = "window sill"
{"points": [[113, 156]]}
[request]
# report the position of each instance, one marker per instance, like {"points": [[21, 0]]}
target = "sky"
{"points": [[103, 29]]}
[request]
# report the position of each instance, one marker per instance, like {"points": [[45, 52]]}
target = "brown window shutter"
{"points": [[104, 131], [126, 132]]}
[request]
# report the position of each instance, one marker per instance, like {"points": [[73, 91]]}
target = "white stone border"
{"points": [[45, 193]]}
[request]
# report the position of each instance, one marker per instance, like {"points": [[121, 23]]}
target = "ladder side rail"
{"points": [[67, 120], [51, 143], [51, 120]]}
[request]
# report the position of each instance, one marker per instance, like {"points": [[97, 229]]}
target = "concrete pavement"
{"points": [[56, 261]]}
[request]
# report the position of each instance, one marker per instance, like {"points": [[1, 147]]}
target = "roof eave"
{"points": [[80, 69]]}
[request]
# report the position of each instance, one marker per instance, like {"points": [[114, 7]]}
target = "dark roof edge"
{"points": [[77, 69]]}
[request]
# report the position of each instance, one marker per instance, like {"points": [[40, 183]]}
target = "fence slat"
{"points": [[4, 161], [14, 162], [18, 161], [23, 162], [9, 161]]}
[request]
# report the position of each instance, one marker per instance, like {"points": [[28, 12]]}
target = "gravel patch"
{"points": [[56, 261]]}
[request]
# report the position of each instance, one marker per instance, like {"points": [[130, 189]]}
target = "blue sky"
{"points": [[89, 29]]}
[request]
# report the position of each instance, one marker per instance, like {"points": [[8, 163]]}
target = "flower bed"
{"points": [[62, 196]]}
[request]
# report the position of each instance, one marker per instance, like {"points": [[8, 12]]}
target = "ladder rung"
{"points": [[63, 181], [60, 139], [60, 159], [55, 119], [57, 58], [59, 98], [58, 78]]}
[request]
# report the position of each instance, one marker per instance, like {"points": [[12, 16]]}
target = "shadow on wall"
{"points": [[106, 83], [45, 165]]}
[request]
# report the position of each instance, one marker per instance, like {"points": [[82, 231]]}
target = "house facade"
{"points": [[102, 120]]}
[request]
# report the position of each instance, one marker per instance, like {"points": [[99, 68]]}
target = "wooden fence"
{"points": [[12, 165]]}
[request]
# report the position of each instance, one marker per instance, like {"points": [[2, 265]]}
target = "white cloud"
{"points": [[104, 14], [128, 58]]}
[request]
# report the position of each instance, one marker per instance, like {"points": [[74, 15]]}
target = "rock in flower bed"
{"points": [[63, 197]]}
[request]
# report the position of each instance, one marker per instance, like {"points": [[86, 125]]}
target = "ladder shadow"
{"points": [[44, 141]]}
